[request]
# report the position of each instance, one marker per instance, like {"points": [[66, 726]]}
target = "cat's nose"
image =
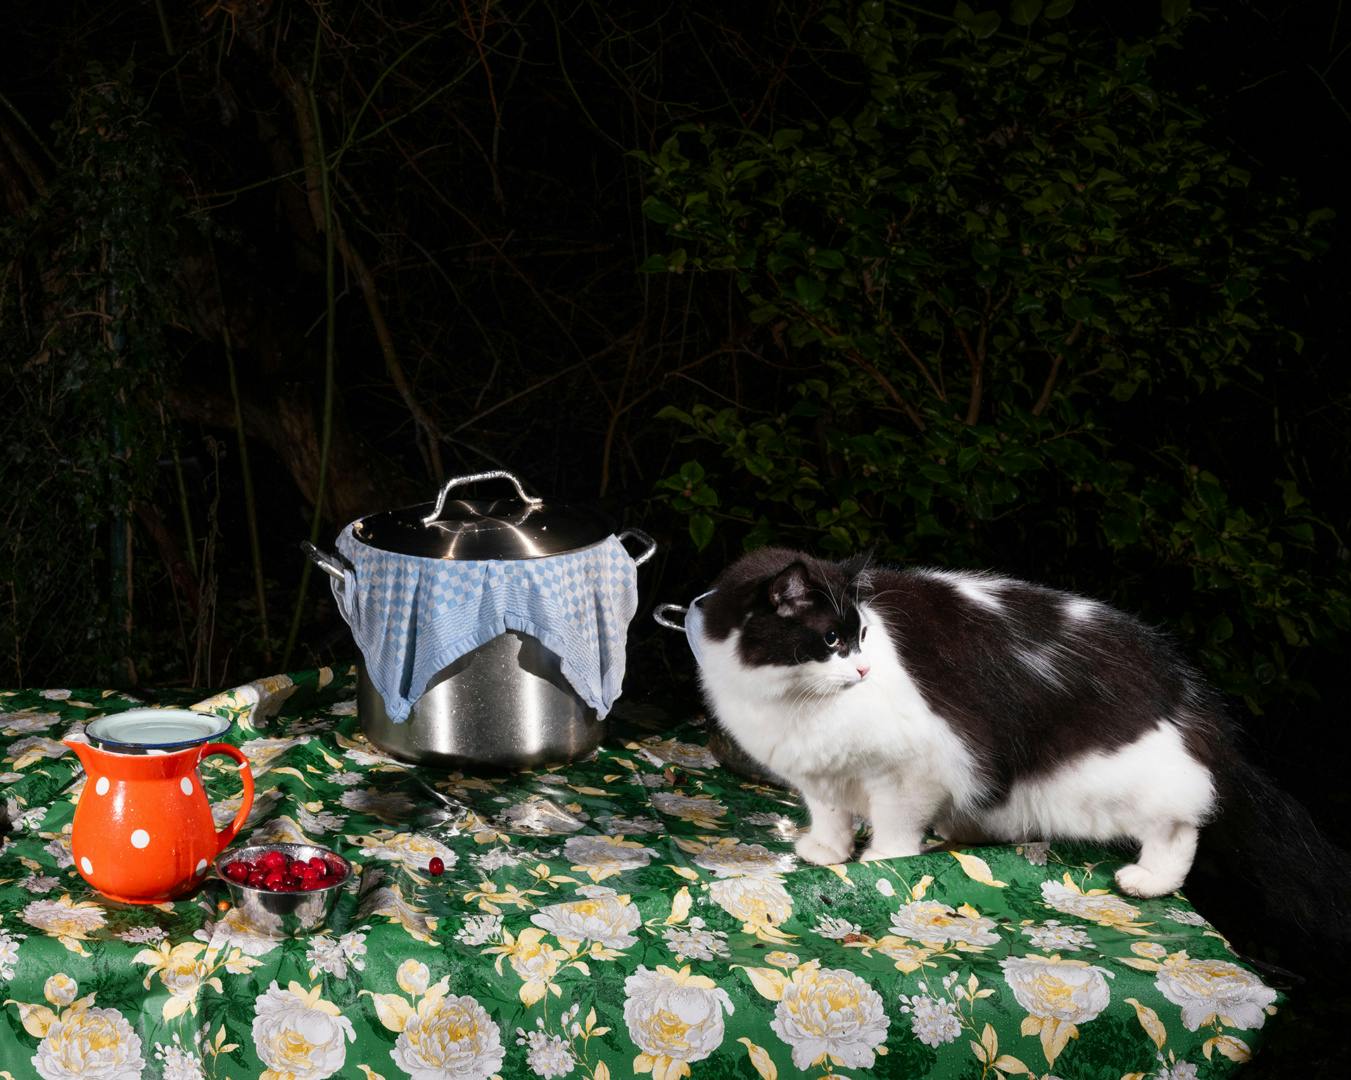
{"points": [[863, 670]]}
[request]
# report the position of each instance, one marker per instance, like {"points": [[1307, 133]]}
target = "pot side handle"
{"points": [[329, 564], [638, 534], [662, 616], [225, 835]]}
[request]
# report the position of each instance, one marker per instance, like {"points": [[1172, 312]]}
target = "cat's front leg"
{"points": [[830, 839], [900, 809]]}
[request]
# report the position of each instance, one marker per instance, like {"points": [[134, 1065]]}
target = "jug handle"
{"points": [[225, 835]]}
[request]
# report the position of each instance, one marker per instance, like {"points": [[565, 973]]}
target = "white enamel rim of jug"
{"points": [[155, 731]]}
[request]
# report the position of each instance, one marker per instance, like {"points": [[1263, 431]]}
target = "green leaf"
{"points": [[809, 291], [968, 458], [982, 25], [692, 473], [1302, 532], [1079, 307], [1174, 11], [1120, 529], [985, 253], [662, 213], [1024, 12], [701, 530], [670, 412], [1058, 9]]}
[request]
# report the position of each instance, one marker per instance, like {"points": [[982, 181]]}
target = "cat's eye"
{"points": [[830, 638], [863, 634]]}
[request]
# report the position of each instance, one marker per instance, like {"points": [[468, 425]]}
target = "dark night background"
{"points": [[526, 272]]}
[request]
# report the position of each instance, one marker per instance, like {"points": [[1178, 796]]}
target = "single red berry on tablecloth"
{"points": [[436, 866]]}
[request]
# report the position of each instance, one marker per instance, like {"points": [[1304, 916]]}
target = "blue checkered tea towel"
{"points": [[411, 616]]}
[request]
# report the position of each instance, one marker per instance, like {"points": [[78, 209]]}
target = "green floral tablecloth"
{"points": [[640, 913]]}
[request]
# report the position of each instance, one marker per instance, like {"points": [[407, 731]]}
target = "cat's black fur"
{"points": [[1116, 679]]}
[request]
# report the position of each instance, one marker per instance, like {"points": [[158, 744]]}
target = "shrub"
{"points": [[1017, 272]]}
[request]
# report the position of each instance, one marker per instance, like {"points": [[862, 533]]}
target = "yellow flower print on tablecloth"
{"points": [[674, 1018], [298, 1035], [441, 1034], [263, 752], [729, 857], [412, 851], [907, 956], [825, 1013], [1058, 995], [492, 899], [60, 989], [388, 901], [1210, 993], [253, 703], [182, 972], [600, 857], [762, 905], [601, 916], [936, 925], [1095, 905], [703, 810], [81, 1042], [687, 755], [67, 920], [533, 959], [24, 752], [1214, 990]]}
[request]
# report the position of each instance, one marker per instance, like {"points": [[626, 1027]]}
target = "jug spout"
{"points": [[83, 751]]}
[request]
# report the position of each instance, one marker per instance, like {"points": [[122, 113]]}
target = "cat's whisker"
{"points": [[1015, 711]]}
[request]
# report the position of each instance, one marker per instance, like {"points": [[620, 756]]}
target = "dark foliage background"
{"points": [[266, 266]]}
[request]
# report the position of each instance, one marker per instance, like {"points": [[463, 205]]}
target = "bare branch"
{"points": [[1048, 386]]}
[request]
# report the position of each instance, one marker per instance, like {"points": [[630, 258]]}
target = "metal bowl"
{"points": [[282, 914]]}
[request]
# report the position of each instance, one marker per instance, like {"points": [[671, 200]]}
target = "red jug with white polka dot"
{"points": [[143, 830]]}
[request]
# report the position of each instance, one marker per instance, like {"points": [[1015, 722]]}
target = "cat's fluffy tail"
{"points": [[1288, 886]]}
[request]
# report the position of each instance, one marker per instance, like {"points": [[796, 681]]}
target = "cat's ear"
{"points": [[788, 591], [858, 571]]}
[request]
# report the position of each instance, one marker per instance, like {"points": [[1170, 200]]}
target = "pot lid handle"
{"points": [[473, 478]]}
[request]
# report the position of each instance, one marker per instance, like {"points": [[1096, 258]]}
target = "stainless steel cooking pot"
{"points": [[507, 703]]}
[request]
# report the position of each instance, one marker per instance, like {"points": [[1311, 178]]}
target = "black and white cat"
{"points": [[989, 709]]}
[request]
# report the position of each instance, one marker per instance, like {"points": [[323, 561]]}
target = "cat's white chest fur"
{"points": [[868, 744], [820, 724]]}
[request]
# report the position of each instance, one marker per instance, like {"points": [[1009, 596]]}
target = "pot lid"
{"points": [[525, 527], [149, 731]]}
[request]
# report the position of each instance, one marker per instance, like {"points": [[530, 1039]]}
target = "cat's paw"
{"points": [[811, 848], [1137, 880], [878, 852]]}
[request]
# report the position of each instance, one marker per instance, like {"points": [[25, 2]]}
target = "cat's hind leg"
{"points": [[1166, 854], [830, 839]]}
